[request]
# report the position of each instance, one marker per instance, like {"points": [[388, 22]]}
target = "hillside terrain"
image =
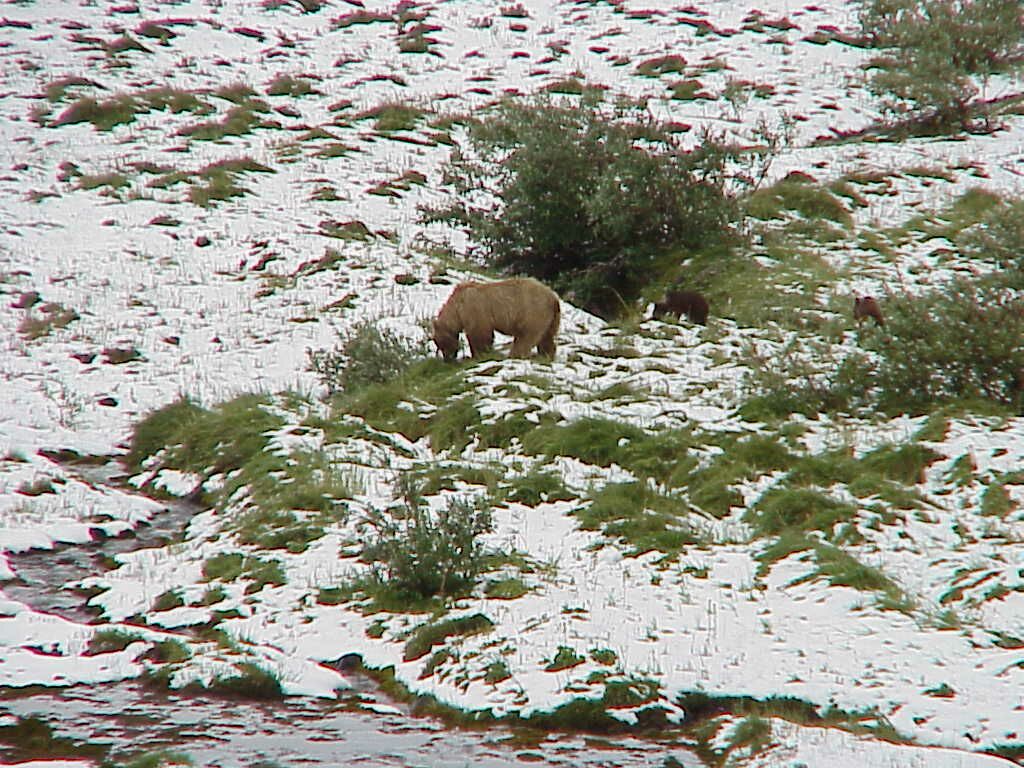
{"points": [[196, 196]]}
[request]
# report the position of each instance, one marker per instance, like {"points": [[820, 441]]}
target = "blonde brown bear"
{"points": [[522, 308]]}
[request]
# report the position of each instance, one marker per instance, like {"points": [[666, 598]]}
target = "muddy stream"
{"points": [[118, 722]]}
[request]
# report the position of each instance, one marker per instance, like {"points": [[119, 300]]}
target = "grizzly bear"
{"points": [[866, 306], [522, 308], [679, 303]]}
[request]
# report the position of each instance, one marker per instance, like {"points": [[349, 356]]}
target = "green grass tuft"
{"points": [[593, 440], [797, 509], [429, 635]]}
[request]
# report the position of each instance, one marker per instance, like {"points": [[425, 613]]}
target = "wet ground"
{"points": [[127, 719], [363, 729]]}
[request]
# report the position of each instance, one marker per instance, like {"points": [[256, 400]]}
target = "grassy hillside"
{"points": [[217, 269]]}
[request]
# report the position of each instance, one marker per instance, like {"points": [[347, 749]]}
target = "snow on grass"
{"points": [[238, 315]]}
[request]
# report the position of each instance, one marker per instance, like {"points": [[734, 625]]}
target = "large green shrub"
{"points": [[584, 198], [937, 56]]}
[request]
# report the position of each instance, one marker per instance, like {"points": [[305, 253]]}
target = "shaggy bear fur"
{"points": [[679, 303], [866, 306], [521, 307]]}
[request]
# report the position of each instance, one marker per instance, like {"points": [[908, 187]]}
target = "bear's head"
{"points": [[446, 340]]}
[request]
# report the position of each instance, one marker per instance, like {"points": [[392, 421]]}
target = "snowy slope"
{"points": [[237, 315]]}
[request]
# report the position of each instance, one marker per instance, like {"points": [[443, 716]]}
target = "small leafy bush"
{"points": [[368, 354], [423, 553], [585, 198], [805, 376]]}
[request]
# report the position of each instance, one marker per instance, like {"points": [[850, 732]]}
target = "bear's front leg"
{"points": [[480, 343]]}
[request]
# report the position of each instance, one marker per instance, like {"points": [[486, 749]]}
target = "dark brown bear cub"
{"points": [[866, 306], [679, 303]]}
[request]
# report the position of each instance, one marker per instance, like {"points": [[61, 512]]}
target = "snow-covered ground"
{"points": [[237, 315]]}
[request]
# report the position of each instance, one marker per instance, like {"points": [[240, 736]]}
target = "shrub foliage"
{"points": [[957, 343], [962, 342], [368, 354], [937, 56], [999, 238], [583, 198], [424, 553]]}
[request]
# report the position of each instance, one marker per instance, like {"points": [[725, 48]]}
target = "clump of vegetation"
{"points": [[112, 180], [537, 487], [153, 432], [506, 589], [111, 641], [251, 682], [958, 343], [206, 442], [158, 759], [430, 634], [361, 17], [620, 692], [31, 738], [564, 658], [593, 440], [234, 565], [169, 651], [800, 194], [937, 57], [410, 403], [367, 354], [104, 115], [168, 600], [804, 509], [661, 65], [497, 672], [123, 108], [417, 553], [585, 198], [238, 121], [752, 734], [998, 238], [50, 316], [286, 85], [634, 514], [219, 180], [290, 497], [392, 116]]}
